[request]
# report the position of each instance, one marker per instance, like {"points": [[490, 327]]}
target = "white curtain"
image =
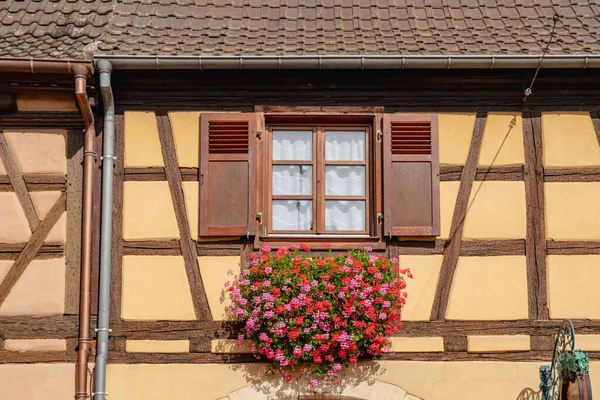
{"points": [[292, 215], [344, 145], [292, 145], [292, 179], [344, 215], [344, 180]]}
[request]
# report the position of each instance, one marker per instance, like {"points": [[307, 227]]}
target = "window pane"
{"points": [[292, 145], [344, 145], [345, 215], [292, 215], [345, 180], [292, 179]]}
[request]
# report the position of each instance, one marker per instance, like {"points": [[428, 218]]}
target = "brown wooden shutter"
{"points": [[411, 179], [227, 176]]}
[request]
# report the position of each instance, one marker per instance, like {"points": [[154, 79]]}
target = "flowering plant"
{"points": [[318, 313]]}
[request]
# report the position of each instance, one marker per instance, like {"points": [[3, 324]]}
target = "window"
{"points": [[344, 178], [319, 179]]}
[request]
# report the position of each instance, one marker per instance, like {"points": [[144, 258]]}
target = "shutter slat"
{"points": [[228, 137], [408, 137], [411, 175]]}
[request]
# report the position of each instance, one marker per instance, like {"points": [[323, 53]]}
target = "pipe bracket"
{"points": [[103, 329], [114, 158]]}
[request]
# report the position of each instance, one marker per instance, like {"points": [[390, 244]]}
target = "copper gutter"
{"points": [[81, 70], [45, 66], [89, 157]]}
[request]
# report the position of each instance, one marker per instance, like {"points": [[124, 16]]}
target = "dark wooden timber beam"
{"points": [[117, 225], [453, 244], [32, 247], [188, 247], [535, 243], [36, 183], [18, 183]]}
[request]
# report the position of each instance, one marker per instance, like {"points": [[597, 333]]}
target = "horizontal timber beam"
{"points": [[37, 183]]}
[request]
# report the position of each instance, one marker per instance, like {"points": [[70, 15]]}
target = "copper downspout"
{"points": [[80, 70], [89, 158]]}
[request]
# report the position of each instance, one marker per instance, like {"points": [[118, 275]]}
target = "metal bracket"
{"points": [[379, 136], [247, 235], [103, 157], [259, 218], [390, 235], [103, 329], [259, 135], [99, 393], [379, 218]]}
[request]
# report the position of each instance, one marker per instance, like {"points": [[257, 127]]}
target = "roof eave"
{"points": [[166, 62]]}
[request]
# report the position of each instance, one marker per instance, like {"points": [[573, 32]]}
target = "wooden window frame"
{"points": [[319, 165], [369, 118]]}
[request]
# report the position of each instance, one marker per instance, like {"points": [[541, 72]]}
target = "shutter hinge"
{"points": [[380, 218], [259, 135], [259, 217], [379, 136]]}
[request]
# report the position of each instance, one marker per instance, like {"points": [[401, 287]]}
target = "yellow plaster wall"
{"points": [[142, 144], [155, 288], [498, 344], [498, 127], [417, 344], [587, 342], [157, 346], [569, 140], [214, 275], [148, 212], [489, 288], [463, 380], [41, 151], [573, 283], [24, 345], [191, 192], [230, 346], [572, 211], [186, 134], [455, 137], [43, 202], [498, 211], [421, 289], [37, 381], [46, 102], [40, 291], [14, 227], [448, 194]]}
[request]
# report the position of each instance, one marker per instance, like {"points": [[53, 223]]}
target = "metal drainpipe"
{"points": [[108, 159], [89, 157]]}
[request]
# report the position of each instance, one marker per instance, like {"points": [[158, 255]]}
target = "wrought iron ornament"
{"points": [[550, 381]]}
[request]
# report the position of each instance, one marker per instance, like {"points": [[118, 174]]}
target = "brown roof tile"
{"points": [[66, 28]]}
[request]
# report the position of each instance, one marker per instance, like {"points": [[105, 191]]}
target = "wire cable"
{"points": [[528, 92]]}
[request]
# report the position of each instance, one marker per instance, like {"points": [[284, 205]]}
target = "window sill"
{"points": [[320, 242]]}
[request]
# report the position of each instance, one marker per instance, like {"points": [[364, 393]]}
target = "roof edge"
{"points": [[164, 62], [46, 66]]}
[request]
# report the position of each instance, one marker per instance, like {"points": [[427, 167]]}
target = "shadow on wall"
{"points": [[358, 383], [530, 394]]}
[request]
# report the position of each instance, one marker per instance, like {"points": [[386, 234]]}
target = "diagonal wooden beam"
{"points": [[596, 123], [32, 247], [18, 183], [454, 242], [535, 243], [188, 248]]}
